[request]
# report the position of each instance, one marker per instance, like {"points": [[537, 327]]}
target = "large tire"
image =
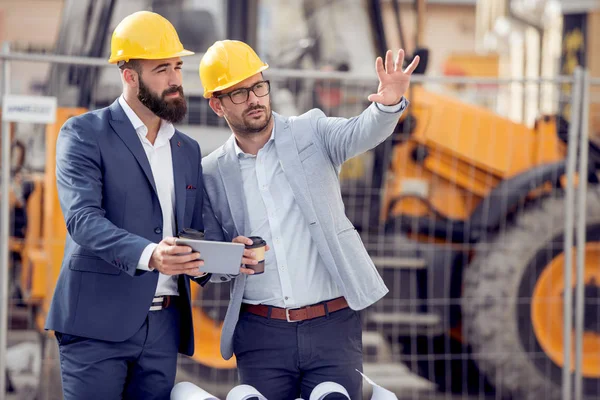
{"points": [[495, 317]]}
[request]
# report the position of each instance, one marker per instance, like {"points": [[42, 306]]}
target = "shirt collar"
{"points": [[239, 152], [166, 128]]}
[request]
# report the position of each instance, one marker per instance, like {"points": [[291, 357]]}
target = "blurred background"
{"points": [[463, 209]]}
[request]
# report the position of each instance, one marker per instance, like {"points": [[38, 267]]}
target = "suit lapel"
{"points": [[292, 167], [179, 174], [126, 132], [231, 174]]}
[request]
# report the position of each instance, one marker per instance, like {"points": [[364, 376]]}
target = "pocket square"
{"points": [[190, 187]]}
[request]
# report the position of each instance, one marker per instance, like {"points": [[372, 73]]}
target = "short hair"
{"points": [[131, 64]]}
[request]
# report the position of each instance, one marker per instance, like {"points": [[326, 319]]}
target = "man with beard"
{"points": [[128, 182], [295, 325]]}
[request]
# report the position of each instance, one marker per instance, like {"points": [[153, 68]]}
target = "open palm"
{"points": [[393, 82]]}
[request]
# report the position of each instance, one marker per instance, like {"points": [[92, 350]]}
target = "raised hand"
{"points": [[393, 82]]}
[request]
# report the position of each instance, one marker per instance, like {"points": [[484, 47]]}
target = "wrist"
{"points": [[399, 107], [394, 103]]}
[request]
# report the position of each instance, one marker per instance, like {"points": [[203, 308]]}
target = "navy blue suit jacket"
{"points": [[110, 205]]}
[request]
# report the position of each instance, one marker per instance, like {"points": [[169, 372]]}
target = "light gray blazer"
{"points": [[311, 149]]}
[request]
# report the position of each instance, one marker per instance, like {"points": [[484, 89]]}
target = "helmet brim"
{"points": [[208, 94], [158, 56]]}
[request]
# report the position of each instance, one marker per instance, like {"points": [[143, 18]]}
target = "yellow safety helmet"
{"points": [[227, 63], [145, 35]]}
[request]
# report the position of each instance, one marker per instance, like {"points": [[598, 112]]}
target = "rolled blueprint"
{"points": [[189, 391]]}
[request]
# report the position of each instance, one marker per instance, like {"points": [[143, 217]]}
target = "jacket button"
{"points": [[223, 278], [158, 230]]}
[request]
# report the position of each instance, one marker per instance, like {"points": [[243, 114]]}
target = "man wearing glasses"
{"points": [[295, 325]]}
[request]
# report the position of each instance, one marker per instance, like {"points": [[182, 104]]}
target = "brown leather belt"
{"points": [[297, 314]]}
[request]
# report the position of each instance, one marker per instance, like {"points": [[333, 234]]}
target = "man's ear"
{"points": [[131, 77], [216, 106]]}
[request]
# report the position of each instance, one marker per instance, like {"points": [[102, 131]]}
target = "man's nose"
{"points": [[175, 79], [252, 98]]}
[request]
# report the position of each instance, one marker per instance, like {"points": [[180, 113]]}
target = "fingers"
{"points": [[242, 240], [169, 246], [399, 61], [379, 68], [248, 257], [413, 65], [189, 268], [375, 98], [173, 250], [389, 63], [169, 240], [246, 271], [249, 261], [180, 259]]}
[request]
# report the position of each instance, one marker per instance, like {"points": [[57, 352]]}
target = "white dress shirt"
{"points": [[161, 163], [295, 275]]}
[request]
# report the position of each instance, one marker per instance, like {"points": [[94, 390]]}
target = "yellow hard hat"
{"points": [[145, 35], [227, 63]]}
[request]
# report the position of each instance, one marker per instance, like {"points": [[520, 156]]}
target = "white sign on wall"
{"points": [[34, 109]]}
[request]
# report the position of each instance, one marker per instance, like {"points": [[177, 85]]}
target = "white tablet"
{"points": [[219, 257]]}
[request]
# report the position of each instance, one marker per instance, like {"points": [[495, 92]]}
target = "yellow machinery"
{"points": [[480, 199], [464, 152]]}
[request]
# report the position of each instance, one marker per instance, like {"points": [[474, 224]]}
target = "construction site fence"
{"points": [[412, 331]]}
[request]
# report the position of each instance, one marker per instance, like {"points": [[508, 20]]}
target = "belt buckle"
{"points": [[287, 315]]}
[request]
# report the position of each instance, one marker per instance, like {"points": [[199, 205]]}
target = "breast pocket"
{"points": [[307, 152], [191, 194]]}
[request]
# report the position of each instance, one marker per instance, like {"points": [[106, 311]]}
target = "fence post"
{"points": [[581, 232], [568, 237], [4, 229]]}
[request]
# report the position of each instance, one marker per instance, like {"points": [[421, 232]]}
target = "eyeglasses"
{"points": [[239, 96]]}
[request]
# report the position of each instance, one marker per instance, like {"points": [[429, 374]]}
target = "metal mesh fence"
{"points": [[462, 209]]}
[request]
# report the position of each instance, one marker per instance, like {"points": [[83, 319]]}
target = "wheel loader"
{"points": [[470, 241]]}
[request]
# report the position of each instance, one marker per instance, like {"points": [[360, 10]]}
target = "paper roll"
{"points": [[379, 393], [326, 388], [244, 392], [189, 391]]}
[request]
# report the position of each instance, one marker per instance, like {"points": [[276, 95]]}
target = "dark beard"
{"points": [[247, 130], [173, 110]]}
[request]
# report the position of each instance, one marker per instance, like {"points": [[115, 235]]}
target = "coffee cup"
{"points": [[189, 233], [258, 246]]}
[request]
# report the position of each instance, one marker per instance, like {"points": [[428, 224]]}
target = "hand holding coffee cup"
{"points": [[253, 261]]}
